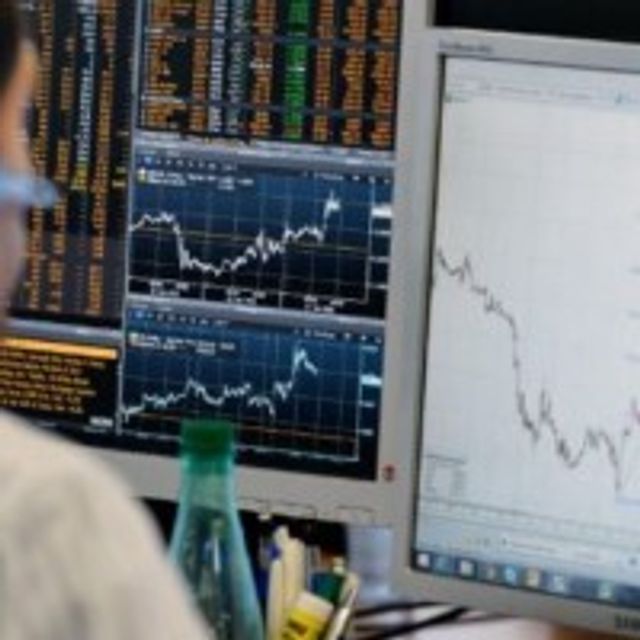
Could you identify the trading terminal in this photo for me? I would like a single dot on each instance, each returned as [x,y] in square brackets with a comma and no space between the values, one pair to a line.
[333,223]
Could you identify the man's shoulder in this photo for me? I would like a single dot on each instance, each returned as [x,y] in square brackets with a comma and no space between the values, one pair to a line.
[69,525]
[32,461]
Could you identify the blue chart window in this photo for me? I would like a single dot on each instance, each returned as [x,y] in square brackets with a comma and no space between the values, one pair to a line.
[285,237]
[303,398]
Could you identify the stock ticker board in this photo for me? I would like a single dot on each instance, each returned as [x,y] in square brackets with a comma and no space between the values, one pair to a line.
[314,71]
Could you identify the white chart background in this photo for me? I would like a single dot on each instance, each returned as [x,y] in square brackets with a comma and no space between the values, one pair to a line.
[540,192]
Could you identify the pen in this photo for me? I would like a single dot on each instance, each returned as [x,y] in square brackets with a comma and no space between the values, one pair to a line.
[340,621]
[351,584]
[299,566]
[265,557]
[293,565]
[275,602]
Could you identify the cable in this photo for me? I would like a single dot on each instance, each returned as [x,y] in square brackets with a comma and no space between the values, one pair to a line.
[393,607]
[471,618]
[452,615]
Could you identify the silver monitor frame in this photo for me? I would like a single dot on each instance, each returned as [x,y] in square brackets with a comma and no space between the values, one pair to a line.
[297,494]
[406,346]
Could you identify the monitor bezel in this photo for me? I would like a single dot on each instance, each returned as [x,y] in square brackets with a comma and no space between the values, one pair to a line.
[296,494]
[408,333]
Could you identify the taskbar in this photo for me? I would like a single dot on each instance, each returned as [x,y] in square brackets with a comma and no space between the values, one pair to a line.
[529,579]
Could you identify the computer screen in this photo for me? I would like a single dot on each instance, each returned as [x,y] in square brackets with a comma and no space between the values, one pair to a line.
[527,476]
[222,247]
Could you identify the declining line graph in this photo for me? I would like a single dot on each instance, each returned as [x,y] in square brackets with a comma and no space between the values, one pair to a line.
[305,398]
[530,455]
[536,417]
[287,238]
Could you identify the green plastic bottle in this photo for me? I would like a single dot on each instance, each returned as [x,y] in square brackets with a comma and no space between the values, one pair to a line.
[208,542]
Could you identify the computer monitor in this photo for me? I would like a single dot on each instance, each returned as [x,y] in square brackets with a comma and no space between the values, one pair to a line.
[222,248]
[515,377]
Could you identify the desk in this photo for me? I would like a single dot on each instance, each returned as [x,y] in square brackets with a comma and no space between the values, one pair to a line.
[495,629]
[507,630]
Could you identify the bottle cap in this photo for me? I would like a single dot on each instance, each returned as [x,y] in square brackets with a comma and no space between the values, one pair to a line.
[208,437]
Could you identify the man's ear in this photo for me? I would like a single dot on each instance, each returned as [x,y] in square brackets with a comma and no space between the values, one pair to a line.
[21,85]
[14,145]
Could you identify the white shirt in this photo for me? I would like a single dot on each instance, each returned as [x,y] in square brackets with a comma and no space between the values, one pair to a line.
[78,559]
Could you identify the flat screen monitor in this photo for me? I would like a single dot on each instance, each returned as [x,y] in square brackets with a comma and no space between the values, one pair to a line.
[222,246]
[521,363]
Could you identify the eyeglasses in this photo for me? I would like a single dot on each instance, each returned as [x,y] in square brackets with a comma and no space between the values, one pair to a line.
[25,190]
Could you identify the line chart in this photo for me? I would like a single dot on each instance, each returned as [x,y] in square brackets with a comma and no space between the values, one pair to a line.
[280,392]
[530,454]
[305,398]
[261,250]
[286,238]
[537,416]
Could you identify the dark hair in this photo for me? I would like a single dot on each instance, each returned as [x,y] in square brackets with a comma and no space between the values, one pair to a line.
[11,34]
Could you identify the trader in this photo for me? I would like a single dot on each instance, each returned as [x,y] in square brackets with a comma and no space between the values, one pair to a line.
[78,560]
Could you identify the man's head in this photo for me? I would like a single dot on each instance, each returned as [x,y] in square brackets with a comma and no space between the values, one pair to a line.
[17,75]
